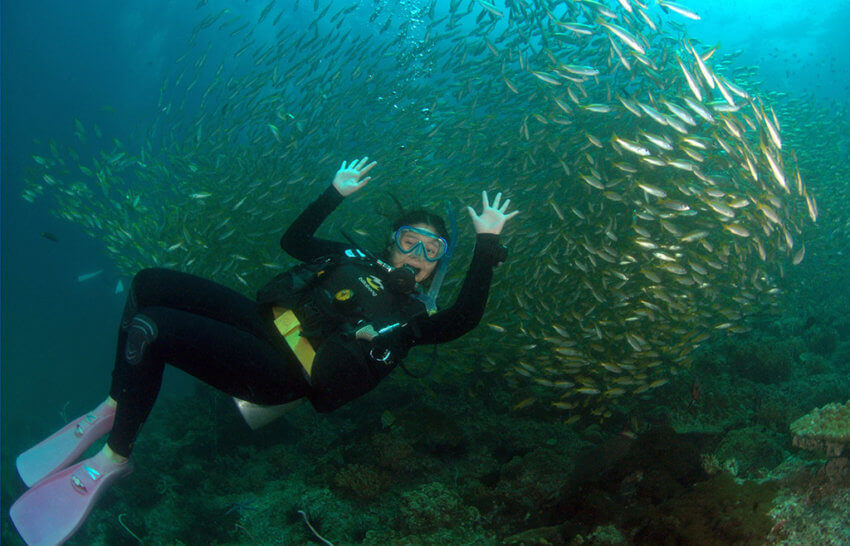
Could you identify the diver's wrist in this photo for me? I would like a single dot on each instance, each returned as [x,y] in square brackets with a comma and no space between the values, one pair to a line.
[487,239]
[487,245]
[333,195]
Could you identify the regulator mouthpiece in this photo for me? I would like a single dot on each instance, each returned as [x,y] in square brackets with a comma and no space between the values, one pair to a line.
[403,279]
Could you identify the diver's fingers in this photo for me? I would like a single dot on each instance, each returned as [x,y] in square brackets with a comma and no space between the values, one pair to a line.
[484,199]
[511,215]
[368,168]
[472,213]
[496,201]
[505,205]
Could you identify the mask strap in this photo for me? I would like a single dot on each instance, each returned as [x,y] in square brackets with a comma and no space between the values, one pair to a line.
[430,298]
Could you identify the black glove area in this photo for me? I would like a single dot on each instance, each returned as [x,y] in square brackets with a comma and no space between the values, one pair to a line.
[389,347]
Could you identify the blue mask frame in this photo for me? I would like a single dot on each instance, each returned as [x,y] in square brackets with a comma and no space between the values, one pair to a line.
[419,248]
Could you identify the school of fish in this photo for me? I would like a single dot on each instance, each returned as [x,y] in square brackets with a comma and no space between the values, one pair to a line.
[661,202]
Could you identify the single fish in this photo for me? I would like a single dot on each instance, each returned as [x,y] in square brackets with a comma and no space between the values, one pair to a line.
[678,8]
[87,276]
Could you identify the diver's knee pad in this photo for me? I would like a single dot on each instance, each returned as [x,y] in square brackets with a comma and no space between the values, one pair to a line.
[144,281]
[141,332]
[130,309]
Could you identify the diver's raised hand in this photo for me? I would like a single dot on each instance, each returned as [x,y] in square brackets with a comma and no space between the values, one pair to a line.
[492,218]
[349,178]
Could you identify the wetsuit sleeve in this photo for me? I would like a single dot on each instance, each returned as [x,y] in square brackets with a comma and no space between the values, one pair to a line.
[468,308]
[298,240]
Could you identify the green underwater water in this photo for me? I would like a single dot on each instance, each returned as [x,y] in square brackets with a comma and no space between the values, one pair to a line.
[594,404]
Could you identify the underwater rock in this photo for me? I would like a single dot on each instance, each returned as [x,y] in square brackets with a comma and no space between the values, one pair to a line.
[441,435]
[432,506]
[363,481]
[530,482]
[822,339]
[766,361]
[655,491]
[393,452]
[753,448]
[663,452]
[827,430]
[716,511]
[537,536]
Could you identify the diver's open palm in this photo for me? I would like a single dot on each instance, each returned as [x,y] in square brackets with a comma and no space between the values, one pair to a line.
[492,218]
[349,178]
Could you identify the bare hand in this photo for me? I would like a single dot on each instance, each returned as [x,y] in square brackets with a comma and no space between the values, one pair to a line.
[492,219]
[349,178]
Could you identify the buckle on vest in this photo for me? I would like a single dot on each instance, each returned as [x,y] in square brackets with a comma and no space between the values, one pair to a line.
[290,328]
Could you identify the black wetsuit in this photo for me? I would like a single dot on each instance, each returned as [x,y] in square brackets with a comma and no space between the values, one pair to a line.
[230,342]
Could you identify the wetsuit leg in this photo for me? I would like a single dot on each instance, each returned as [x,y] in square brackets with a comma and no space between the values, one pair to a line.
[158,287]
[238,352]
[176,290]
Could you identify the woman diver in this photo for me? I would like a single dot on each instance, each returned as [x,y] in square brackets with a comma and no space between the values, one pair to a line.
[328,331]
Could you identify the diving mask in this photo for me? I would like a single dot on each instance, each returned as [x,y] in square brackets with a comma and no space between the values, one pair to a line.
[420,242]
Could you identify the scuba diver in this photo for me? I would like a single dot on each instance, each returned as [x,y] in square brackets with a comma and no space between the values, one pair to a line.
[327,330]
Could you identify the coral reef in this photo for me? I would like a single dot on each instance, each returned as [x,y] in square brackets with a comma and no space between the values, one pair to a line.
[754,450]
[432,506]
[719,508]
[764,360]
[443,460]
[801,519]
[395,453]
[530,481]
[822,339]
[826,429]
[364,482]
